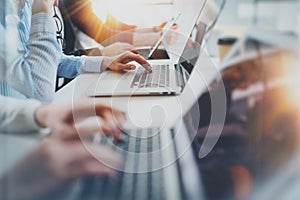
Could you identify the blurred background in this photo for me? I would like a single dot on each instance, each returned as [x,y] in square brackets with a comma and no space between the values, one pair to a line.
[281,15]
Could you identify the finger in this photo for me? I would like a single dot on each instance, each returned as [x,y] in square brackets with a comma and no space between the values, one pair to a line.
[139,59]
[63,131]
[113,120]
[175,26]
[163,24]
[83,132]
[121,67]
[71,132]
[116,117]
[160,27]
[134,51]
[56,3]
[119,119]
[88,108]
[111,125]
[113,131]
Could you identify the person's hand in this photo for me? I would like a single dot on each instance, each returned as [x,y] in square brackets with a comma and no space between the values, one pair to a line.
[120,62]
[62,119]
[117,49]
[160,27]
[54,164]
[43,6]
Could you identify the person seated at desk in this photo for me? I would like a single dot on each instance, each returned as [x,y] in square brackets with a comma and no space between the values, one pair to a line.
[62,156]
[257,139]
[252,153]
[79,13]
[31,68]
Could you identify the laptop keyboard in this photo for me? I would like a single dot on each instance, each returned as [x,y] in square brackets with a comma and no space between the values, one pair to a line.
[147,184]
[159,77]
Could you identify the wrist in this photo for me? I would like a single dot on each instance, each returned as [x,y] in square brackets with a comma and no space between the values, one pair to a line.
[105,63]
[41,7]
[40,10]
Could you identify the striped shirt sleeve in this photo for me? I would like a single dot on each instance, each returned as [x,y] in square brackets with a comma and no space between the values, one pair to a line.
[32,70]
[71,66]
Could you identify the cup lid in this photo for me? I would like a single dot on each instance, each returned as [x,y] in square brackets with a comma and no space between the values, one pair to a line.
[227,40]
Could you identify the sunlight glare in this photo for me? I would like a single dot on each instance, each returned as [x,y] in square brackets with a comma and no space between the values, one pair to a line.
[143,13]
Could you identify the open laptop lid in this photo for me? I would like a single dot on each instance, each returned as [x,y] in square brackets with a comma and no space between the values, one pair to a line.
[192,48]
[168,27]
[190,12]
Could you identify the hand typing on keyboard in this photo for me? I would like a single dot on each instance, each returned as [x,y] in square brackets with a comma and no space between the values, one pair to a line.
[120,62]
[64,125]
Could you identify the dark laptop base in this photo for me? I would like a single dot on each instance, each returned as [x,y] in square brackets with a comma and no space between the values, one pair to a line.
[157,55]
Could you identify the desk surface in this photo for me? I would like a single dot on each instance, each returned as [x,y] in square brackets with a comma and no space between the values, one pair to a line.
[138,109]
[144,111]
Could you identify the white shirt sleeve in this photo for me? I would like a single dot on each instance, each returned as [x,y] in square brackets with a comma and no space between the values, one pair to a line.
[18,115]
[93,64]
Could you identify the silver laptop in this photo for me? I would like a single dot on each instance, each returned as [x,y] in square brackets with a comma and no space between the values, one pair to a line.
[166,78]
[158,164]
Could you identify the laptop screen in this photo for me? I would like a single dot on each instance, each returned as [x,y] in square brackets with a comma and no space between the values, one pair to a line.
[192,49]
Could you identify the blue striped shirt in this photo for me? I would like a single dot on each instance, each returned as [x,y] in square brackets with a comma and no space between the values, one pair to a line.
[31,69]
[30,59]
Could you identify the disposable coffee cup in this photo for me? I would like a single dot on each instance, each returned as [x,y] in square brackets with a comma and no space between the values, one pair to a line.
[225,45]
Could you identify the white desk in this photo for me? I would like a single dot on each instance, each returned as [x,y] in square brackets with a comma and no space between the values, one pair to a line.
[149,110]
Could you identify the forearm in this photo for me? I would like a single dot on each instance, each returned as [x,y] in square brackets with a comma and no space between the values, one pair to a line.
[114,23]
[83,16]
[72,66]
[93,26]
[69,66]
[18,115]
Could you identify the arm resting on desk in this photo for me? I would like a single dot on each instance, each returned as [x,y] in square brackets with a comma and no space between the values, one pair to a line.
[18,115]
